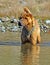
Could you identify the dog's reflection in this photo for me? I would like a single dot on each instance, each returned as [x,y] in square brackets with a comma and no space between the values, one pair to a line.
[30,54]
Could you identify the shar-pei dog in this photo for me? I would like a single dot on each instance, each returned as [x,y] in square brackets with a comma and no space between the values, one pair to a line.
[31,30]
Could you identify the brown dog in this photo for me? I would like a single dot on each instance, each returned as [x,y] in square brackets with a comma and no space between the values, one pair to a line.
[31,29]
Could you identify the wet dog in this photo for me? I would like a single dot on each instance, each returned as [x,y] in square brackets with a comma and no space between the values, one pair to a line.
[31,29]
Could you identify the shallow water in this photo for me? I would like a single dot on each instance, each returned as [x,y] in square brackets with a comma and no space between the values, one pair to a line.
[13,53]
[10,55]
[26,54]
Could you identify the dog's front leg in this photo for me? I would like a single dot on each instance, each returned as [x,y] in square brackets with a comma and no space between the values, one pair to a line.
[33,40]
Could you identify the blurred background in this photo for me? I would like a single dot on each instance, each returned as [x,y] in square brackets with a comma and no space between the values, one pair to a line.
[39,8]
[10,11]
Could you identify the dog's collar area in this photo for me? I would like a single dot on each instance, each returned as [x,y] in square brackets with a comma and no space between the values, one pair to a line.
[30,32]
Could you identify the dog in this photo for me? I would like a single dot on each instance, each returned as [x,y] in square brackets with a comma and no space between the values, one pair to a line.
[31,29]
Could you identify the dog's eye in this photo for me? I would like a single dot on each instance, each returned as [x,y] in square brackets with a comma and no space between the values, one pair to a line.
[25,18]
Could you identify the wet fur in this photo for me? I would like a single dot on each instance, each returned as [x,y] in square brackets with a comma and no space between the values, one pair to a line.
[28,22]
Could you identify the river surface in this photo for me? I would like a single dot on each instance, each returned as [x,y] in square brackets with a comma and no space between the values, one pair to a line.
[13,53]
[24,54]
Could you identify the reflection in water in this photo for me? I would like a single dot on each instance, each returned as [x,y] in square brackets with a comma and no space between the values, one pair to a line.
[30,54]
[26,54]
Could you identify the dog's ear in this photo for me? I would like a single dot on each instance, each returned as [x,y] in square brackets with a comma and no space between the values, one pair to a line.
[27,10]
[33,21]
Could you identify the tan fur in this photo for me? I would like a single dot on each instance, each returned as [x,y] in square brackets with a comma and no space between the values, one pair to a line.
[28,21]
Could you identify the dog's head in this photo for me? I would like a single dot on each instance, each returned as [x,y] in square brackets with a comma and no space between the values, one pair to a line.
[26,18]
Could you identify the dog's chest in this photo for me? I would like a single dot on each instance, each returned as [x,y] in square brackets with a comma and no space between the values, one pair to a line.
[25,32]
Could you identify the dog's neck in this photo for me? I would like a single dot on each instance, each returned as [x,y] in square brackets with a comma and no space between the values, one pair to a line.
[29,27]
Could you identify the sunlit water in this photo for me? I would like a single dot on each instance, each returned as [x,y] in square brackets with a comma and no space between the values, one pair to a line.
[26,54]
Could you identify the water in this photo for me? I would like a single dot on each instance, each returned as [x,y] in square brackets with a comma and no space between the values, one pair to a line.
[13,53]
[26,54]
[10,55]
